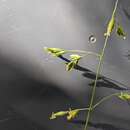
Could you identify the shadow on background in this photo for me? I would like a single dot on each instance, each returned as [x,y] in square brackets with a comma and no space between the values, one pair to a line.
[101,126]
[35,100]
[102,80]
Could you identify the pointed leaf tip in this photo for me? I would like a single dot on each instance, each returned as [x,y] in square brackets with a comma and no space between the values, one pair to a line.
[55,51]
[58,114]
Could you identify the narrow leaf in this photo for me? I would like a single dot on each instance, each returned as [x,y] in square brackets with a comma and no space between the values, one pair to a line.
[70,66]
[110,26]
[120,32]
[58,114]
[55,51]
[124,96]
[74,59]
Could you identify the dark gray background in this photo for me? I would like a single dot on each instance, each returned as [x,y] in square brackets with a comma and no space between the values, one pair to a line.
[33,84]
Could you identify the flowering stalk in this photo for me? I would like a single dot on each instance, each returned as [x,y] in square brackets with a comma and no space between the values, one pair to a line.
[108,33]
[74,58]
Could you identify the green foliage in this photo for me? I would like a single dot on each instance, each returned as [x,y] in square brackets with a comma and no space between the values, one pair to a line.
[55,51]
[74,59]
[124,96]
[70,114]
[110,26]
[120,32]
[70,66]
[58,114]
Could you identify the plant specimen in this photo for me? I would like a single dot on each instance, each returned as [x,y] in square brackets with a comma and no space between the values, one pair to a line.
[77,55]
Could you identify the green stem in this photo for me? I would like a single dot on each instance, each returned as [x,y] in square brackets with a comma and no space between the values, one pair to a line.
[95,83]
[115,8]
[84,52]
[97,74]
[105,98]
[82,109]
[99,102]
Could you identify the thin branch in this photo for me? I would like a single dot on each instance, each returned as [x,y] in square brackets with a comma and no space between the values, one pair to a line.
[84,52]
[98,73]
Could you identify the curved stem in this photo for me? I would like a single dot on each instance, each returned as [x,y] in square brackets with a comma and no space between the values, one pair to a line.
[105,98]
[97,74]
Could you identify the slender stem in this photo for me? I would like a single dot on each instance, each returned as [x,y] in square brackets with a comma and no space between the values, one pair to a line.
[105,98]
[115,8]
[82,109]
[98,103]
[95,83]
[84,52]
[97,74]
